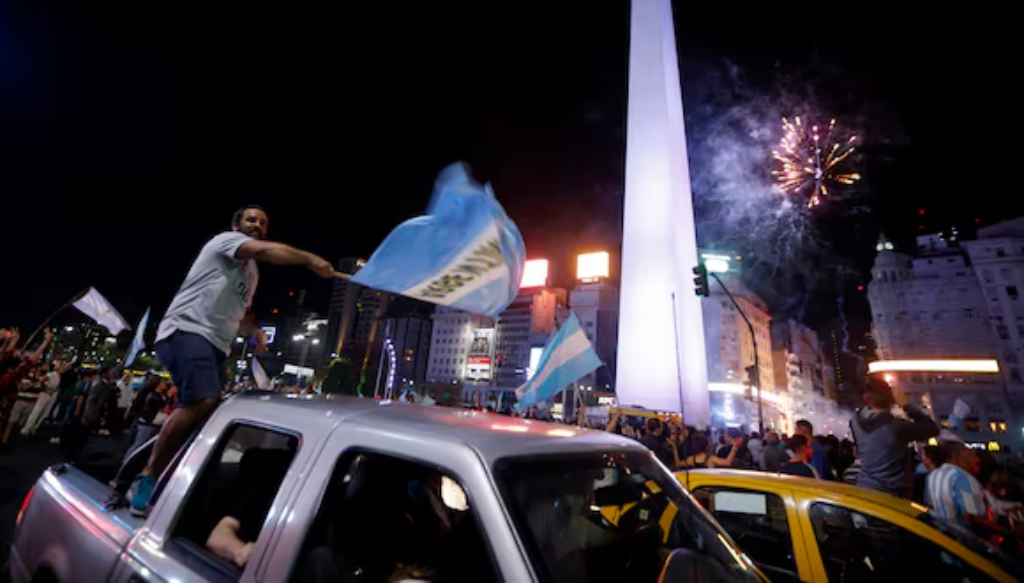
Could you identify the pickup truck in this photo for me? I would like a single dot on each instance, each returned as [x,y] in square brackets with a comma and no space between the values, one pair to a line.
[348,489]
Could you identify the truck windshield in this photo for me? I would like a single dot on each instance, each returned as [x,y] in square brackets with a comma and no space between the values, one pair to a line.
[614,516]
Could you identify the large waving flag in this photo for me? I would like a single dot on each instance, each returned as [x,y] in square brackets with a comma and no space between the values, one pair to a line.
[94,305]
[259,375]
[566,359]
[138,343]
[464,253]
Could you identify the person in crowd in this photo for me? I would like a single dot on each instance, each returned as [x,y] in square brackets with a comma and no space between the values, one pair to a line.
[819,458]
[800,464]
[756,447]
[146,414]
[50,385]
[19,382]
[100,398]
[775,453]
[882,439]
[65,397]
[655,440]
[702,459]
[952,491]
[931,458]
[733,440]
[206,315]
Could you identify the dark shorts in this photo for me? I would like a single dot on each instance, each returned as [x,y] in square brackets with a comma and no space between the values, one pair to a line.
[196,366]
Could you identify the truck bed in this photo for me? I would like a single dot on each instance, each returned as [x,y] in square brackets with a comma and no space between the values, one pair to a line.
[67,512]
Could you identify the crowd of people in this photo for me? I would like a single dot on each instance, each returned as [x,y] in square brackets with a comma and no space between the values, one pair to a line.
[39,390]
[887,453]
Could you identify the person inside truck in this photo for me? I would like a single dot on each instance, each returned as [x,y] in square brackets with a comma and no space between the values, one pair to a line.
[261,472]
[206,315]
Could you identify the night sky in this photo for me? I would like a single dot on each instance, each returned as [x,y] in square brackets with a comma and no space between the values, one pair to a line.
[131,134]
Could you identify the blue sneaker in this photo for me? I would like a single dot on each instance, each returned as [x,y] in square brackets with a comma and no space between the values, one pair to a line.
[140,493]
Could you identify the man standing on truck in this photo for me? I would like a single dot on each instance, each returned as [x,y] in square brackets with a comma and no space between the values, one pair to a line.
[210,309]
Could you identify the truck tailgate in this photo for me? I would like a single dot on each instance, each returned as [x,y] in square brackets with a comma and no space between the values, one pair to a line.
[67,529]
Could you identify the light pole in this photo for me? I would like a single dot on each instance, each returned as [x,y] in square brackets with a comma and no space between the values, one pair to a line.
[755,377]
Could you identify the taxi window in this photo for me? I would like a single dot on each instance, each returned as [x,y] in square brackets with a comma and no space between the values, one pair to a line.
[858,547]
[757,522]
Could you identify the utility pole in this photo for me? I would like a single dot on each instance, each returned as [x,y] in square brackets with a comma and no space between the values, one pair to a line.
[755,379]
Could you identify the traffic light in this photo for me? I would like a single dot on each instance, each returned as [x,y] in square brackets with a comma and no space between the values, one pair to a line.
[751,381]
[700,283]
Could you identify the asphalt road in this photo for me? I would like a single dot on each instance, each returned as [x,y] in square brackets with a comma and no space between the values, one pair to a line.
[24,459]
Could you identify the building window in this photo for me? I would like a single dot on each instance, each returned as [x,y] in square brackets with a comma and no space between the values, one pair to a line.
[972,424]
[997,426]
[1000,252]
[1003,332]
[1011,290]
[968,312]
[987,276]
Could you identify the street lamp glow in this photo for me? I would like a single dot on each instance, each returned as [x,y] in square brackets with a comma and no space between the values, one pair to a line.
[298,337]
[716,265]
[987,365]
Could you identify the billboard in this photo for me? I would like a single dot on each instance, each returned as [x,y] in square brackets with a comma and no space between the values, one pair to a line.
[535,353]
[479,356]
[592,266]
[535,273]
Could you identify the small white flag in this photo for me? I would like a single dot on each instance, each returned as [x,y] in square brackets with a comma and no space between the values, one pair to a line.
[94,305]
[259,375]
[139,342]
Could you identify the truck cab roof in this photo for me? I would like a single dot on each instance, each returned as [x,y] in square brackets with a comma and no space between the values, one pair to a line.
[491,435]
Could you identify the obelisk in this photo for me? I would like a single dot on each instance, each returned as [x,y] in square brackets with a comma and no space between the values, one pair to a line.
[661,361]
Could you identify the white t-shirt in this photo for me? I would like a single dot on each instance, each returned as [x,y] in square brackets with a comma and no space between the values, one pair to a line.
[215,295]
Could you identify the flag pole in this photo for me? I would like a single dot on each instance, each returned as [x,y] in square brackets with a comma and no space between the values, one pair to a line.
[67,304]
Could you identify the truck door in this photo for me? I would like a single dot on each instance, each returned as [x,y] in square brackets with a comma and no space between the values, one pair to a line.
[246,475]
[386,505]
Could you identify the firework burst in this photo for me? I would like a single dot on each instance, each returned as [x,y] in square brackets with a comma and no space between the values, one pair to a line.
[811,160]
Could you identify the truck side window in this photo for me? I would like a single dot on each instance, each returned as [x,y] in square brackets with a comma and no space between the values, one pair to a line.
[240,480]
[388,519]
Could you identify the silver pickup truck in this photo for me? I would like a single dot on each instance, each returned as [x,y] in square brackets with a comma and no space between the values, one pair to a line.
[322,489]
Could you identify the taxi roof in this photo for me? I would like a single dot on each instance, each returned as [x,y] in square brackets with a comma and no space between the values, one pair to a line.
[492,435]
[807,487]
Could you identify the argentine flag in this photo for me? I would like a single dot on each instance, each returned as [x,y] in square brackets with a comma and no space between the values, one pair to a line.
[464,253]
[138,343]
[566,359]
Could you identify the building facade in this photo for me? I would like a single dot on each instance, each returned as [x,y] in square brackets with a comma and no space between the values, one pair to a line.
[597,306]
[456,345]
[931,306]
[730,350]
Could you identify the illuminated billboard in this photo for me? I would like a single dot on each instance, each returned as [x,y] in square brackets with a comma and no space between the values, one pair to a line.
[479,357]
[270,332]
[592,266]
[535,273]
[535,353]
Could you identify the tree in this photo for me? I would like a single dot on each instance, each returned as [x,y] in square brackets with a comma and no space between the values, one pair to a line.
[341,378]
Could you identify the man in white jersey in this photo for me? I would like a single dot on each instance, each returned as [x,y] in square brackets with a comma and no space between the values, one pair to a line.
[209,311]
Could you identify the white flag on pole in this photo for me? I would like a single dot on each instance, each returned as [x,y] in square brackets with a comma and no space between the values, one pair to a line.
[259,376]
[94,305]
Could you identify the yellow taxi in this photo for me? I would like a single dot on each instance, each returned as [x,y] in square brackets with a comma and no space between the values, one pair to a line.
[803,530]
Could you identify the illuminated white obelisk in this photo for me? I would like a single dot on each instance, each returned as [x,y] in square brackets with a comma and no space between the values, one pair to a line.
[659,243]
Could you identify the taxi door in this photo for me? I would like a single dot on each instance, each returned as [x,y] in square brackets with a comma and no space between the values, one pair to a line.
[848,538]
[766,525]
